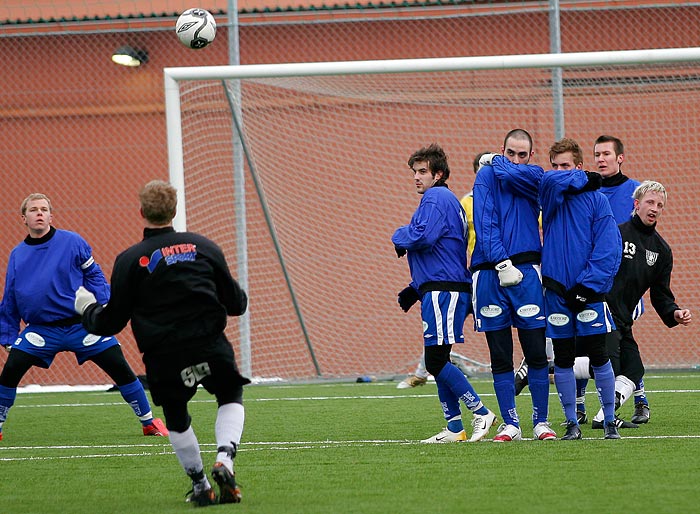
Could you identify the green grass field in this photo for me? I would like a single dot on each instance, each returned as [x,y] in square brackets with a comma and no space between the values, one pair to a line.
[346,447]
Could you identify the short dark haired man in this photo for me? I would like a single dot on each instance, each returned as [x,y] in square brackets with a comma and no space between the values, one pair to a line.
[177,290]
[435,242]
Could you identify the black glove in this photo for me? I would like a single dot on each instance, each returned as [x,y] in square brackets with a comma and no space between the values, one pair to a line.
[400,252]
[578,296]
[595,180]
[407,297]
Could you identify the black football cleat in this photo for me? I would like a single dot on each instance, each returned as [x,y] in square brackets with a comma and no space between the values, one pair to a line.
[573,431]
[641,413]
[618,422]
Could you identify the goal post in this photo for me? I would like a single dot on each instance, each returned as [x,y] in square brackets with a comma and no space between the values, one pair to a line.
[325,146]
[315,69]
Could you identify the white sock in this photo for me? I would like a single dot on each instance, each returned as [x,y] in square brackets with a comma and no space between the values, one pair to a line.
[581,367]
[599,416]
[229,429]
[186,449]
[624,387]
[147,417]
[421,372]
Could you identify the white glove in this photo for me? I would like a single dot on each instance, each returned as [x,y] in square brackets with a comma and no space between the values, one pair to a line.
[486,159]
[508,275]
[83,300]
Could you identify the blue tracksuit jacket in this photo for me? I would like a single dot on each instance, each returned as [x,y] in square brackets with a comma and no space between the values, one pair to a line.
[436,239]
[506,212]
[42,276]
[618,189]
[582,244]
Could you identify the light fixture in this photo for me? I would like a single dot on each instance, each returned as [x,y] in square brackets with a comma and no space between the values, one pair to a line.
[128,56]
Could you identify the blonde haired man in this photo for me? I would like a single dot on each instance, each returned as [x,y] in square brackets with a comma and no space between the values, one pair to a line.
[647,262]
[42,273]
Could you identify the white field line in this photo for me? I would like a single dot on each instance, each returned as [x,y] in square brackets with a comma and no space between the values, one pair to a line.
[160,450]
[323,398]
[36,388]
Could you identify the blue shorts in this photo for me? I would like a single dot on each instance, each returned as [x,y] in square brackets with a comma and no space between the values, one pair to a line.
[444,313]
[561,322]
[520,306]
[45,342]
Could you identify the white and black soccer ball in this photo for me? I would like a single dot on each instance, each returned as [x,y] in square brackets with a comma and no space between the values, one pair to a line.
[196,28]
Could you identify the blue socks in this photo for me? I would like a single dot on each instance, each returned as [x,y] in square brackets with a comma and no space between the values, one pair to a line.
[458,386]
[605,385]
[538,382]
[504,386]
[7,400]
[135,396]
[581,384]
[455,425]
[639,395]
[449,402]
[566,388]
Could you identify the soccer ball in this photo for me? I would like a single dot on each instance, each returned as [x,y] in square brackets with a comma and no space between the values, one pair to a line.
[196,28]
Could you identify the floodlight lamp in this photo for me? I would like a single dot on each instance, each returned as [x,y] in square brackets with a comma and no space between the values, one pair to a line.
[128,56]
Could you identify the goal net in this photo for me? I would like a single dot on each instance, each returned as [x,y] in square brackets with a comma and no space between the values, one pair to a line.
[305,203]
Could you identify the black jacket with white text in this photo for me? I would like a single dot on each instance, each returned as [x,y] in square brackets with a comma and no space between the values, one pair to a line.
[176,289]
[646,264]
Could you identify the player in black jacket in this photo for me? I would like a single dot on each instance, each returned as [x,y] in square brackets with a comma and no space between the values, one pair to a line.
[646,265]
[177,290]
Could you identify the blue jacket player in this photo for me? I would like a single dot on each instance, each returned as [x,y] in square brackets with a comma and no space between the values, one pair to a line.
[435,242]
[507,281]
[618,188]
[609,154]
[43,273]
[580,256]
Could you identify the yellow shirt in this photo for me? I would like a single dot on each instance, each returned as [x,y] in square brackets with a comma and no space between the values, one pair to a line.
[467,202]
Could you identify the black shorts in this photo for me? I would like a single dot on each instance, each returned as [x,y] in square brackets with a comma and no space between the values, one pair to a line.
[174,377]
